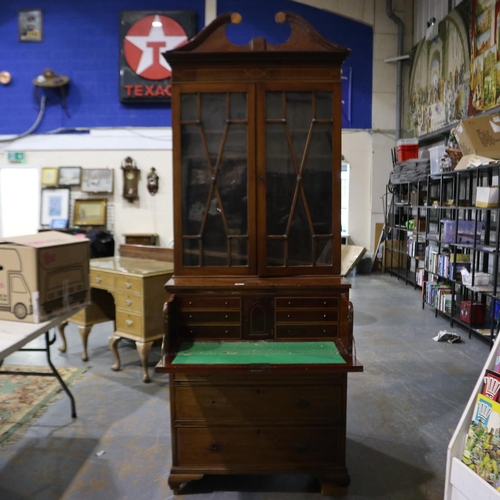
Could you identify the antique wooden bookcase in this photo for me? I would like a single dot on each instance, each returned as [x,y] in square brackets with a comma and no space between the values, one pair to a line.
[258,338]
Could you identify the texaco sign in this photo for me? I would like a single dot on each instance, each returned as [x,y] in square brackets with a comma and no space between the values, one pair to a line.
[144,36]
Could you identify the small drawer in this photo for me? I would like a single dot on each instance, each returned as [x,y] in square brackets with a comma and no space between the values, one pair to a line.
[306,315]
[293,403]
[215,332]
[99,279]
[194,302]
[306,331]
[226,447]
[130,323]
[129,302]
[307,303]
[191,317]
[128,284]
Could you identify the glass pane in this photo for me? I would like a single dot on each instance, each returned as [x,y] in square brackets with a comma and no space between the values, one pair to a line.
[317,178]
[323,251]
[238,106]
[213,121]
[239,251]
[191,252]
[274,106]
[189,107]
[299,114]
[232,180]
[275,253]
[299,238]
[214,237]
[280,180]
[324,106]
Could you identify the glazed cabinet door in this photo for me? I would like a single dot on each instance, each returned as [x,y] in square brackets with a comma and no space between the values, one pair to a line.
[298,156]
[214,176]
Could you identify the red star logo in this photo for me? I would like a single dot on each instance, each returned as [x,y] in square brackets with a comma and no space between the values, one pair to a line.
[146,40]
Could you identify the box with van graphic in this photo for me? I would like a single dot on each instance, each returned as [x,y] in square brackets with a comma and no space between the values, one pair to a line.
[43,275]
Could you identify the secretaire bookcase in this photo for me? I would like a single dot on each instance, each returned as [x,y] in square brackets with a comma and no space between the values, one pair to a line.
[258,327]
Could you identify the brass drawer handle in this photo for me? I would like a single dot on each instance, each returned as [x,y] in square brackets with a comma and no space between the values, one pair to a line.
[128,285]
[129,322]
[213,447]
[128,302]
[98,279]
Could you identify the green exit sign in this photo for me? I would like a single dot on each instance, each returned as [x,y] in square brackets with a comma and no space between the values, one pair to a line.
[16,157]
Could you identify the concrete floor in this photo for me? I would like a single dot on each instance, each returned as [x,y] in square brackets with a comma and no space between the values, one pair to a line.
[402,412]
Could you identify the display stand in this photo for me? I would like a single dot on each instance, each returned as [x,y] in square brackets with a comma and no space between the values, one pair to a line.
[461,482]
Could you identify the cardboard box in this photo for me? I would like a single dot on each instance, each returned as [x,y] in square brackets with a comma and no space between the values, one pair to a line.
[480,136]
[487,197]
[43,275]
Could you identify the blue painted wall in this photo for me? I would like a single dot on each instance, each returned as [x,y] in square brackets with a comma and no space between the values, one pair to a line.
[81,40]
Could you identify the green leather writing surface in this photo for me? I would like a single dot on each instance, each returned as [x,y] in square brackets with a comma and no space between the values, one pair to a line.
[222,353]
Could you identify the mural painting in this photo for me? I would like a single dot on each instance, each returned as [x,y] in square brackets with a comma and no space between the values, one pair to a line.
[439,92]
[485,55]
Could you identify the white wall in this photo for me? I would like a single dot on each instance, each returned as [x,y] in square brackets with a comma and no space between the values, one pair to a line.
[108,148]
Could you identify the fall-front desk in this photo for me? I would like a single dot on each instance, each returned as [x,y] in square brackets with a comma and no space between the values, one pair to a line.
[131,292]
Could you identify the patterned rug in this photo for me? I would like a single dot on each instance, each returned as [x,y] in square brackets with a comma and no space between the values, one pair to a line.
[23,397]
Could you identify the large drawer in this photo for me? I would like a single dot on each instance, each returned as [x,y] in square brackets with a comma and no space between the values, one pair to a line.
[259,447]
[128,302]
[101,279]
[260,402]
[131,323]
[128,284]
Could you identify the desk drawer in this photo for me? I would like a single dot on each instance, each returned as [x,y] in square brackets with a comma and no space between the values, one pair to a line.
[129,302]
[128,284]
[304,315]
[100,279]
[306,331]
[195,302]
[259,446]
[301,404]
[307,303]
[192,317]
[131,323]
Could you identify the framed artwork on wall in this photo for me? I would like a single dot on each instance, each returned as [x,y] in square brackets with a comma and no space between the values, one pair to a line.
[49,176]
[30,25]
[90,213]
[97,180]
[69,176]
[54,205]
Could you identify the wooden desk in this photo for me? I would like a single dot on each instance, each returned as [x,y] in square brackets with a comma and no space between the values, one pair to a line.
[14,335]
[131,292]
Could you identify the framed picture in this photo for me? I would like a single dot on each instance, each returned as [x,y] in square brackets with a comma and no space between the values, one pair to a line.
[69,176]
[90,213]
[97,180]
[30,25]
[55,205]
[49,176]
